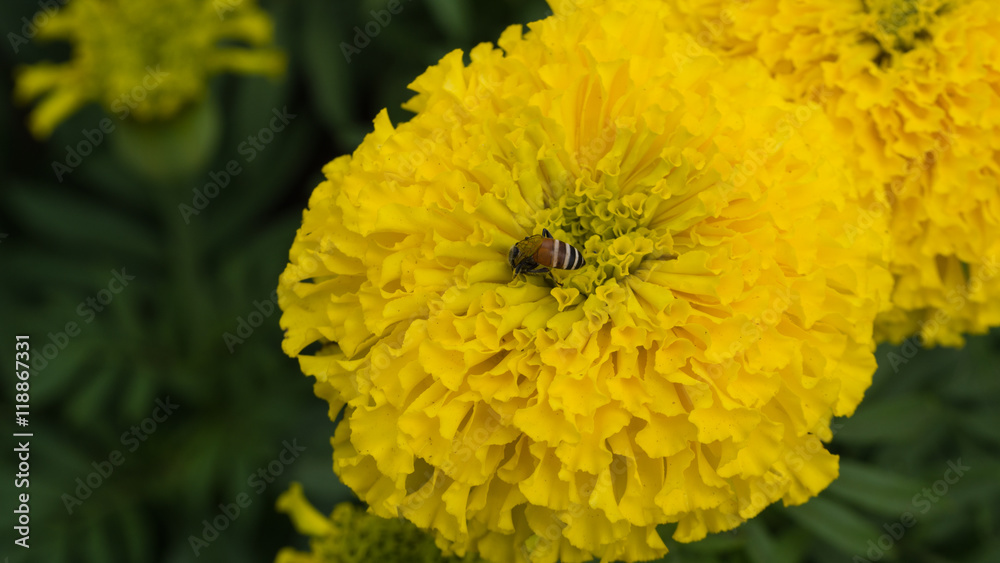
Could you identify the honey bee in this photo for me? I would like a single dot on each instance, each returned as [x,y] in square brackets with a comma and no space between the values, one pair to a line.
[538,253]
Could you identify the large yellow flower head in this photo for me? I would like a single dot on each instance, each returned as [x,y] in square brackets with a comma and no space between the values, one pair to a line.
[144,59]
[915,87]
[686,374]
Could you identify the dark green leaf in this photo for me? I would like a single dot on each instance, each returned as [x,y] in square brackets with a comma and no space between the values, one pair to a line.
[73,221]
[880,491]
[989,553]
[133,531]
[981,423]
[760,546]
[139,391]
[49,384]
[106,175]
[98,546]
[88,402]
[836,524]
[723,542]
[253,106]
[792,544]
[892,420]
[977,373]
[260,183]
[44,269]
[453,16]
[905,368]
[326,67]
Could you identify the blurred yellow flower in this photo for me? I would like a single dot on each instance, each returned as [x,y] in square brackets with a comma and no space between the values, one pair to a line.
[351,535]
[915,88]
[686,374]
[144,59]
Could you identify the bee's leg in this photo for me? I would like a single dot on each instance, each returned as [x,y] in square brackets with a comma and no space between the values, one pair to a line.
[537,271]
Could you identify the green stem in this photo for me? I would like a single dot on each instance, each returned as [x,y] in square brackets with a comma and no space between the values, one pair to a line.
[188,297]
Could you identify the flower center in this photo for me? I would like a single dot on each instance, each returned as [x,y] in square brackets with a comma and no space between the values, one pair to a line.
[898,26]
[614,233]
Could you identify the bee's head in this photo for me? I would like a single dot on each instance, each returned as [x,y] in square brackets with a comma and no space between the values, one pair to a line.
[513,254]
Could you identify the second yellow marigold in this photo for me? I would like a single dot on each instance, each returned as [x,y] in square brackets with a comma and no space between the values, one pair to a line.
[914,88]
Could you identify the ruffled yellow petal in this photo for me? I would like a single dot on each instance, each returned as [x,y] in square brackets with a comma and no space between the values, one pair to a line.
[289,555]
[57,103]
[307,520]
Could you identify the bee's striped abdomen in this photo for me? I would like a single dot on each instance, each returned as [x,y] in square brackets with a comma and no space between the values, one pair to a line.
[558,254]
[537,254]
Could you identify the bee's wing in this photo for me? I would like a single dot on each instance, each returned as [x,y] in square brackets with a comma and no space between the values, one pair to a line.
[527,247]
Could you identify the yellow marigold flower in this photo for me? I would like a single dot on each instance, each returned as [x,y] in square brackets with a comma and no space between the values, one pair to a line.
[686,374]
[350,535]
[143,58]
[915,88]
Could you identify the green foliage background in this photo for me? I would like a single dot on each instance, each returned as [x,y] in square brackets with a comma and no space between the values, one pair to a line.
[162,336]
